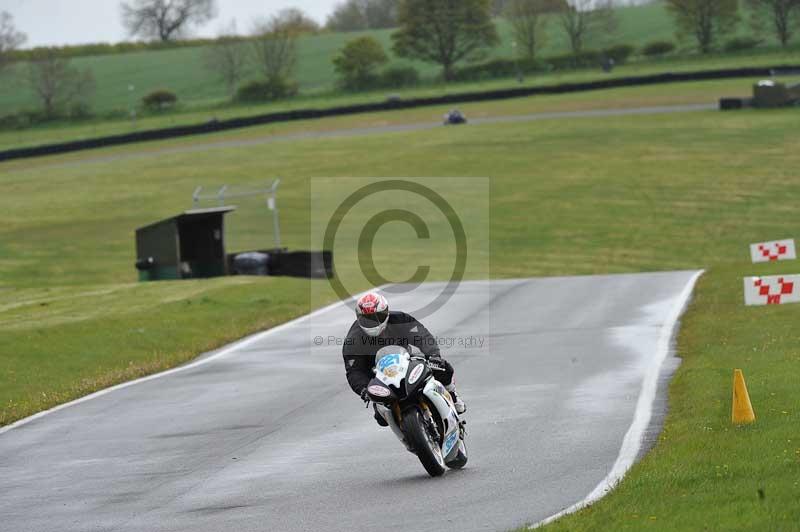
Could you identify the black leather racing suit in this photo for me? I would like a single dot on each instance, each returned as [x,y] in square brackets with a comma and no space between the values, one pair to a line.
[359,349]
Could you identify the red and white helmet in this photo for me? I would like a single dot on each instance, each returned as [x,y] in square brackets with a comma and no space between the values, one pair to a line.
[372,311]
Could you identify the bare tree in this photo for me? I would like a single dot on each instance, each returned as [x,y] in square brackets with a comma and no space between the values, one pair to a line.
[10,39]
[381,13]
[585,20]
[705,20]
[784,14]
[354,15]
[227,58]
[298,21]
[275,47]
[56,83]
[165,19]
[499,7]
[347,16]
[527,19]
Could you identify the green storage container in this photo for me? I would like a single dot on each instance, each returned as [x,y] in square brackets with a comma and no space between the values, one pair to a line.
[190,245]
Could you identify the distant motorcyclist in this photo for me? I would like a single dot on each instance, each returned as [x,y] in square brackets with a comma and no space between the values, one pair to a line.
[377,327]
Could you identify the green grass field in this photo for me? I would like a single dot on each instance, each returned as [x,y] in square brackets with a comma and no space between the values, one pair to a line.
[627,194]
[704,473]
[204,98]
[679,93]
[182,70]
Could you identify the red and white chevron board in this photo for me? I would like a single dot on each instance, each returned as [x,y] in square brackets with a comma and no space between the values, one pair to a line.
[772,251]
[775,290]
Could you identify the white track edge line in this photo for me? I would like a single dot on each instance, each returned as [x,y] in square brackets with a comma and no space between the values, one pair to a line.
[632,443]
[225,351]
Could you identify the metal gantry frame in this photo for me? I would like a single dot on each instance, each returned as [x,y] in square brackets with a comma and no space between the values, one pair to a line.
[223,194]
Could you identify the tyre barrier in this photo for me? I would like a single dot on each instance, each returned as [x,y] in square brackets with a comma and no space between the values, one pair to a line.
[283,263]
[732,104]
[393,104]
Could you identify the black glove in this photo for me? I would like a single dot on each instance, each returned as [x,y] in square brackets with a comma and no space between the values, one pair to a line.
[365,395]
[435,362]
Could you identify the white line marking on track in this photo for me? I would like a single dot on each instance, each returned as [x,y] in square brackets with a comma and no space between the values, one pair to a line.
[632,443]
[225,351]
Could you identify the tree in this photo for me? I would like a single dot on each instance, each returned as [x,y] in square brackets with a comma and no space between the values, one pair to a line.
[784,14]
[347,16]
[275,48]
[358,61]
[56,83]
[381,14]
[297,21]
[499,7]
[444,31]
[585,20]
[10,39]
[705,20]
[165,19]
[227,58]
[528,22]
[355,15]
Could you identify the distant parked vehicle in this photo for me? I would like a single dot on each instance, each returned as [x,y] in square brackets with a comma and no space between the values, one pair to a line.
[454,118]
[769,93]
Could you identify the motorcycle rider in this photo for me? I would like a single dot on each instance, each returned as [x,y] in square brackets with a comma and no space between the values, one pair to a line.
[377,327]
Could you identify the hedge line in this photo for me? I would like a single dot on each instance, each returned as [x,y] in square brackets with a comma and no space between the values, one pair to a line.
[505,67]
[394,104]
[81,50]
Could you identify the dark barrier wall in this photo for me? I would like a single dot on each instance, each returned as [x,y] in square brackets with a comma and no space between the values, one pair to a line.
[282,262]
[308,264]
[306,114]
[732,104]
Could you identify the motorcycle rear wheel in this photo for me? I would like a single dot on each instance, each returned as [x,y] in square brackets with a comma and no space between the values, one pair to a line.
[427,450]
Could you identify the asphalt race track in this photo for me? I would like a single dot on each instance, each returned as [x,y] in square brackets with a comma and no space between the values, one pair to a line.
[266,435]
[202,144]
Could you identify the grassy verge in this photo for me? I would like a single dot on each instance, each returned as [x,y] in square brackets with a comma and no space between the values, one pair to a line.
[183,71]
[679,191]
[630,203]
[704,473]
[202,112]
[63,343]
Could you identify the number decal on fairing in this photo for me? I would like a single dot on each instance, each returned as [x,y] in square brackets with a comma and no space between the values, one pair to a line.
[450,442]
[415,373]
[388,360]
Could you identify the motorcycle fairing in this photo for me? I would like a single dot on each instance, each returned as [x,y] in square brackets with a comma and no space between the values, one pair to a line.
[391,369]
[441,400]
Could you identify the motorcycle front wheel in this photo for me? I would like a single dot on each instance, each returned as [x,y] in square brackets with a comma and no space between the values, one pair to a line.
[425,446]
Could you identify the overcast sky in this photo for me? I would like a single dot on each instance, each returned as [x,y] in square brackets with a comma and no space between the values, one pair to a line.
[55,22]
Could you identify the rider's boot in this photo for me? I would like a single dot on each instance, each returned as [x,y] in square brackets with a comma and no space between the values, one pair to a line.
[379,418]
[457,402]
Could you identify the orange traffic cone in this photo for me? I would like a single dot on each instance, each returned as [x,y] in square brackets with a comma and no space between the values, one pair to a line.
[742,411]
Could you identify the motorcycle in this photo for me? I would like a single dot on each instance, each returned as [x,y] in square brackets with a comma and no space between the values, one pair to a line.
[418,409]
